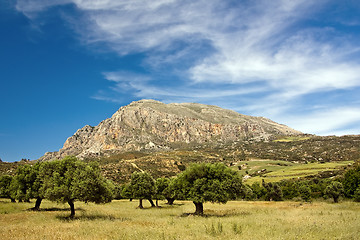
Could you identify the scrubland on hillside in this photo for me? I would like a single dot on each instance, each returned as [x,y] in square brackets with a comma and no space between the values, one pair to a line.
[121,219]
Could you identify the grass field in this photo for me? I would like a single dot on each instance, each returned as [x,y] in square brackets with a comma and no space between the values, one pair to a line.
[279,170]
[292,139]
[234,220]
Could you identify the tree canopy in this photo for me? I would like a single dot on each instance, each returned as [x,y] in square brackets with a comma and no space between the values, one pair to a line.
[69,179]
[335,190]
[5,191]
[351,181]
[215,183]
[27,183]
[141,186]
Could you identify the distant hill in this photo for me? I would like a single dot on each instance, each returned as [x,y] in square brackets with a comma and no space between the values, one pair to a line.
[150,125]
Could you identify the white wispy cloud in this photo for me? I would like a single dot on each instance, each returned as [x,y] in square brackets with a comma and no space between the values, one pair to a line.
[333,121]
[254,56]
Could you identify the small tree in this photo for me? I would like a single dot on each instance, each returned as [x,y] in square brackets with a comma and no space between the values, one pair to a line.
[69,179]
[258,190]
[273,191]
[5,183]
[27,184]
[351,181]
[142,186]
[208,182]
[357,195]
[117,194]
[290,189]
[247,193]
[305,193]
[126,192]
[169,192]
[161,185]
[334,190]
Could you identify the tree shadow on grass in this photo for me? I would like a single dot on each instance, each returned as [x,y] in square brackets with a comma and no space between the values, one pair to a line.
[166,206]
[174,205]
[54,209]
[217,214]
[91,217]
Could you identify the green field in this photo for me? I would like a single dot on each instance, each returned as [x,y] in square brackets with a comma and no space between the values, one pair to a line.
[292,138]
[279,170]
[234,220]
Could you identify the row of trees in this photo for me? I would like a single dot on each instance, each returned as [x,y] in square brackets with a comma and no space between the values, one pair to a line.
[200,183]
[71,180]
[65,180]
[347,185]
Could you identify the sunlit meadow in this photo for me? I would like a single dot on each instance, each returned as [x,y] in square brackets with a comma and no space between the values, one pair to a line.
[234,220]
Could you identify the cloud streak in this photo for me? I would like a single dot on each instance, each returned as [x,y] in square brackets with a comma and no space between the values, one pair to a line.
[261,57]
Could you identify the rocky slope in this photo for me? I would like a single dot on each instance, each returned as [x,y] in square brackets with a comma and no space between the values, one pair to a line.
[153,125]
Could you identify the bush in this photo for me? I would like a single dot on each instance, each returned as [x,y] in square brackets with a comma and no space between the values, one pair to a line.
[335,190]
[357,195]
[305,193]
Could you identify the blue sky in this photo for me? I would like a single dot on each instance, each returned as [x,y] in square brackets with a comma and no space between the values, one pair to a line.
[68,63]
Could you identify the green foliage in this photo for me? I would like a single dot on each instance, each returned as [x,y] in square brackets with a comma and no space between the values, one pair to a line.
[27,183]
[351,181]
[273,191]
[334,190]
[5,182]
[69,179]
[357,195]
[59,179]
[248,193]
[126,191]
[258,190]
[208,182]
[305,192]
[161,185]
[142,185]
[117,191]
[89,186]
[290,189]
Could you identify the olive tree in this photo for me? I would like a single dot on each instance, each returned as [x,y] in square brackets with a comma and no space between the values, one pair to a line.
[305,193]
[273,191]
[203,182]
[142,186]
[161,186]
[5,191]
[334,190]
[69,179]
[351,181]
[27,183]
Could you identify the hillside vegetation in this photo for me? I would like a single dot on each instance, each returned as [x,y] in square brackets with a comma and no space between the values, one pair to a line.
[302,156]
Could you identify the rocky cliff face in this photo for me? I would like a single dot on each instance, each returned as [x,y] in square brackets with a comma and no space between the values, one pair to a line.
[152,125]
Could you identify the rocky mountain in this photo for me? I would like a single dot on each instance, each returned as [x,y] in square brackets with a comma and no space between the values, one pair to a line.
[152,125]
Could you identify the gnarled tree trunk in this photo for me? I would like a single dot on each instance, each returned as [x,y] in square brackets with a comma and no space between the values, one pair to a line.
[72,208]
[140,204]
[151,202]
[170,201]
[37,204]
[199,208]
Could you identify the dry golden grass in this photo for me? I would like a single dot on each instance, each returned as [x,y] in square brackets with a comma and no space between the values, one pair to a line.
[234,220]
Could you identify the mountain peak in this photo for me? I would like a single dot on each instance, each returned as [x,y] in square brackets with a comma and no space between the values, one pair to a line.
[152,125]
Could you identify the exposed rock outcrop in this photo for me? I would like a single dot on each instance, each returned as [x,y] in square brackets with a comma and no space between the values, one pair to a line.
[153,125]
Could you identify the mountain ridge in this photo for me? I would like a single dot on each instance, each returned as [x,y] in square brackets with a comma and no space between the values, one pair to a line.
[152,126]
